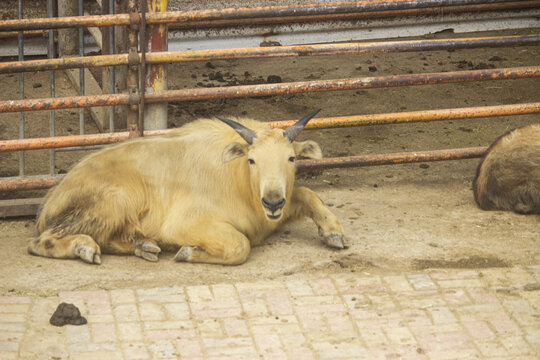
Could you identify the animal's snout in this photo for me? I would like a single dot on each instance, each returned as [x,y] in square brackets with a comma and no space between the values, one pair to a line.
[273,205]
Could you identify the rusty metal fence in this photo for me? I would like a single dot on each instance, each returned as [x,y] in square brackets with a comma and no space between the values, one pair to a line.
[139,22]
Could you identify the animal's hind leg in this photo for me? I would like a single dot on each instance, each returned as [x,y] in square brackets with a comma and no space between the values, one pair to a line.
[68,247]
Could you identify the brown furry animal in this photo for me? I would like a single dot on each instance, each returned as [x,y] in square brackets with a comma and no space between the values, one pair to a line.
[508,177]
[211,189]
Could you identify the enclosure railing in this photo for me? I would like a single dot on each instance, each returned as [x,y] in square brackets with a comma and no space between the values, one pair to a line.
[277,14]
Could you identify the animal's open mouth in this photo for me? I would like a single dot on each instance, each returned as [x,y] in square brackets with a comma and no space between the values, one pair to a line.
[273,217]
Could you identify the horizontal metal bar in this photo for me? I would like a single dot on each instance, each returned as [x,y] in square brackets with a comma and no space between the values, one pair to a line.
[432,11]
[265,52]
[392,159]
[19,207]
[303,165]
[271,89]
[235,13]
[59,142]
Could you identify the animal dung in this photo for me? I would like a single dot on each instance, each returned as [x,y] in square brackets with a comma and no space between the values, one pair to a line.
[67,314]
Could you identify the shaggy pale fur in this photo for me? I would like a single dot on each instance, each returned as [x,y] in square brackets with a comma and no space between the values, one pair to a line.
[508,177]
[197,189]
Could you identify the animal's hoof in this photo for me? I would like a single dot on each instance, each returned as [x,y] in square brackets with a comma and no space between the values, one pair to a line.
[147,250]
[183,254]
[89,254]
[336,241]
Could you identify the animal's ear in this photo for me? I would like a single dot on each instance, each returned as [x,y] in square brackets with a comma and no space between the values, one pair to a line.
[233,151]
[308,149]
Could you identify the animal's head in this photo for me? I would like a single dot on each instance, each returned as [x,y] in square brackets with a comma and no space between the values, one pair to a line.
[271,155]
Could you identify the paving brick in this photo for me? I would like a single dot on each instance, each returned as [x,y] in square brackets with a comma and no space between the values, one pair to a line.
[336,350]
[162,295]
[122,296]
[126,312]
[397,283]
[103,332]
[14,308]
[135,351]
[12,318]
[491,348]
[235,327]
[505,326]
[323,286]
[129,331]
[374,337]
[442,315]
[437,341]
[224,292]
[455,275]
[151,312]
[177,311]
[8,355]
[209,328]
[189,348]
[77,334]
[478,329]
[516,345]
[400,336]
[109,355]
[420,299]
[460,283]
[216,309]
[15,300]
[354,284]
[229,346]
[482,295]
[12,327]
[421,282]
[91,347]
[456,297]
[278,303]
[8,346]
[299,288]
[162,349]
[254,307]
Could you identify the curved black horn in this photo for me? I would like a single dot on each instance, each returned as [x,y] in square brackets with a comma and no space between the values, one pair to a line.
[244,132]
[294,130]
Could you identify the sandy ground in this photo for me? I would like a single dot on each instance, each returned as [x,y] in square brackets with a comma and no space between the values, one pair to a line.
[397,218]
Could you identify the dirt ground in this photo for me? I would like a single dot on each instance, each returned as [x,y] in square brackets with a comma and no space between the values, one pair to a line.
[397,218]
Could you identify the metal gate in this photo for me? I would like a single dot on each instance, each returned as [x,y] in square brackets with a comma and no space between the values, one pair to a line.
[146,53]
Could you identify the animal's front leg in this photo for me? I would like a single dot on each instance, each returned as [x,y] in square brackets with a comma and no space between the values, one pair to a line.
[306,203]
[211,241]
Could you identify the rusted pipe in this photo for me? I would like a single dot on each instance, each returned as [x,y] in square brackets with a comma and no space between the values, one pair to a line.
[272,89]
[239,13]
[392,159]
[434,11]
[277,51]
[317,123]
[303,165]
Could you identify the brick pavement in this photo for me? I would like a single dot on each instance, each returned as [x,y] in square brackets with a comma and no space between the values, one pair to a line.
[442,314]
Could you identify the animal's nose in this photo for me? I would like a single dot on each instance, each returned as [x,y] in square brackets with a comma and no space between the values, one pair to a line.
[273,205]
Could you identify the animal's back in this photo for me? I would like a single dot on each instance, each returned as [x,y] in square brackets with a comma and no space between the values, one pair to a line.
[156,169]
[508,178]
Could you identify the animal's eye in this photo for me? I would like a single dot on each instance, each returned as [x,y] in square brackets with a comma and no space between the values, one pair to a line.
[292,159]
[251,161]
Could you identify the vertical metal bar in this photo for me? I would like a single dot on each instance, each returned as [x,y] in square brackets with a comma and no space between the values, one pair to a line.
[20,43]
[81,71]
[50,13]
[155,115]
[111,68]
[142,67]
[133,69]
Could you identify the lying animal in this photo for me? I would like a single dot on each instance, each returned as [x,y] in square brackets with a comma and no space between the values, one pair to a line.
[508,177]
[211,189]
